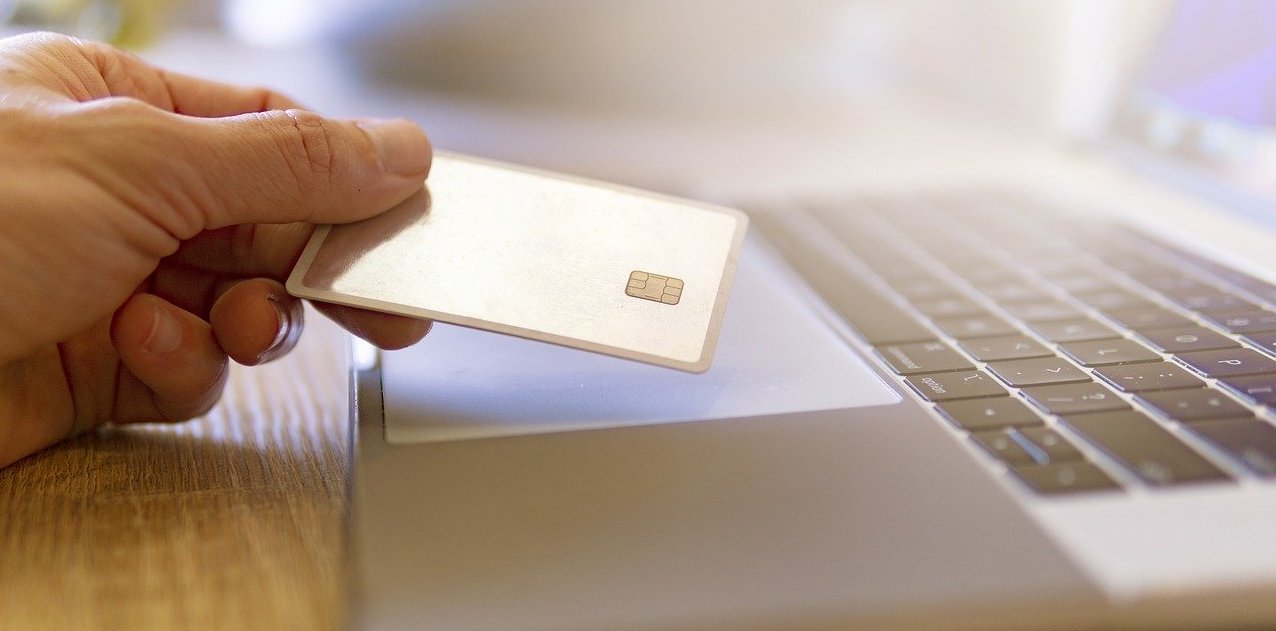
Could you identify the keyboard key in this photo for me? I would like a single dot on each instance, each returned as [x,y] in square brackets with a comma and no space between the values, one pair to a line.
[1188,339]
[1060,269]
[1244,321]
[1264,341]
[1108,352]
[878,320]
[1023,244]
[989,276]
[924,288]
[1077,284]
[1114,299]
[1015,292]
[1075,398]
[1148,319]
[912,359]
[1149,376]
[1229,362]
[948,386]
[1249,441]
[949,307]
[978,326]
[903,270]
[987,414]
[1065,478]
[1035,372]
[874,316]
[1078,330]
[1029,445]
[988,349]
[1005,448]
[1260,289]
[1260,389]
[1236,304]
[1174,282]
[1043,311]
[1208,300]
[1050,443]
[1194,405]
[1145,448]
[1120,256]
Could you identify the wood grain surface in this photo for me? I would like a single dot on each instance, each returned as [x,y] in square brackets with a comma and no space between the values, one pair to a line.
[233,521]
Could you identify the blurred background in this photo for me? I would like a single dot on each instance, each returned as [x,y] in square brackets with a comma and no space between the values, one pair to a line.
[667,93]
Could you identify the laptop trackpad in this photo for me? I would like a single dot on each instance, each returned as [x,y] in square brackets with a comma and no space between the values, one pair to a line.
[775,356]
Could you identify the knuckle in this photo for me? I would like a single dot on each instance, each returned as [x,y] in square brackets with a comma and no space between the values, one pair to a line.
[127,150]
[124,109]
[46,40]
[312,145]
[95,133]
[113,119]
[125,133]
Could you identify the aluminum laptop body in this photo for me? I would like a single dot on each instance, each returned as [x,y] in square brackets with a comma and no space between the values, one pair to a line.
[812,479]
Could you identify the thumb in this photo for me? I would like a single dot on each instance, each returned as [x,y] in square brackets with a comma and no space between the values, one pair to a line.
[284,166]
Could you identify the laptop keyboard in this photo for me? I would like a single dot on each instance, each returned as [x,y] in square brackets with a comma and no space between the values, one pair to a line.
[1080,354]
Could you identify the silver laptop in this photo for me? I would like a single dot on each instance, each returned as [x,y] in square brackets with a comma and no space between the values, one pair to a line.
[971,384]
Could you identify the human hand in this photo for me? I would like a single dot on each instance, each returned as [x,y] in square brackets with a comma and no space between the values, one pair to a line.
[148,219]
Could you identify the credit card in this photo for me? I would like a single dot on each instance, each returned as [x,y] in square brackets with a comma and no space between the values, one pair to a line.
[539,255]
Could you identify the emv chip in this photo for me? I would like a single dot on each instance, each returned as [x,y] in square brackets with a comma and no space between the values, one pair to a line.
[655,287]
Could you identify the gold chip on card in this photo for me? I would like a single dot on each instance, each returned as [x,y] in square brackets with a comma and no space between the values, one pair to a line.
[654,287]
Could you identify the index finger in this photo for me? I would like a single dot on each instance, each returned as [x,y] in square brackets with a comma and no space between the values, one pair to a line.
[126,74]
[205,98]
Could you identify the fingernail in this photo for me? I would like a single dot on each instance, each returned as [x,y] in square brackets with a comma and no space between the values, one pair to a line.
[403,147]
[166,332]
[282,334]
[285,336]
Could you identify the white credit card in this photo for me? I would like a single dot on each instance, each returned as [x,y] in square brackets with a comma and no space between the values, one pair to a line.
[539,255]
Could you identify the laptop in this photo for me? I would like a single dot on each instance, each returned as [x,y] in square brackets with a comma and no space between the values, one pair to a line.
[971,383]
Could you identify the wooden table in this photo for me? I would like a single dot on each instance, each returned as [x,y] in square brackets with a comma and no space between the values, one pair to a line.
[233,521]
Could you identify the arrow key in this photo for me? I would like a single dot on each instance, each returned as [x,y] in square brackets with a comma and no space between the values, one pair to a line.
[1035,372]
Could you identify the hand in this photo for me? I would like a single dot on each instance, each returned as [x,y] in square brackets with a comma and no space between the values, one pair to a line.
[148,219]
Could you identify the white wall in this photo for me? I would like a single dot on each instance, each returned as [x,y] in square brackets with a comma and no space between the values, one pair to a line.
[1048,64]
[1002,58]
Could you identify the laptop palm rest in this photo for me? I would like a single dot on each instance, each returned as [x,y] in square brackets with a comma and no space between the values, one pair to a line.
[775,356]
